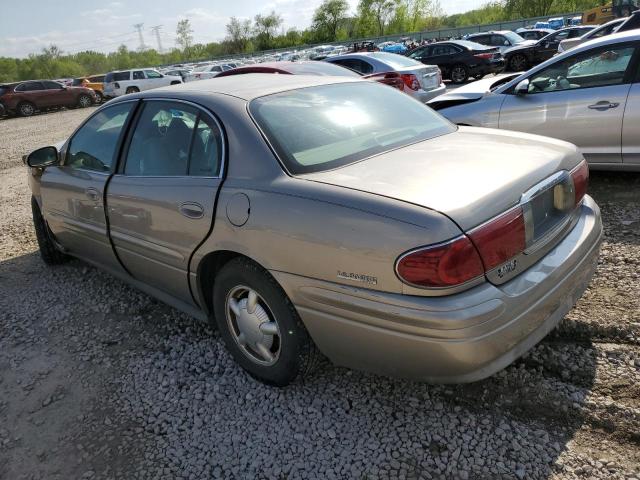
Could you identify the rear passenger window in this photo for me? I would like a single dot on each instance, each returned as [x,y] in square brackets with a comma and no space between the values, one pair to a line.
[93,146]
[172,139]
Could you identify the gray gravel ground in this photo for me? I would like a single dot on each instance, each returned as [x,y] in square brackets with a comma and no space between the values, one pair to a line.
[98,380]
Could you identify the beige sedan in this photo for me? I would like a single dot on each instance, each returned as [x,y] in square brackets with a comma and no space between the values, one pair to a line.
[303,213]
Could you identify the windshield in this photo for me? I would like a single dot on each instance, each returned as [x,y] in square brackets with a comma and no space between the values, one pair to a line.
[320,128]
[513,37]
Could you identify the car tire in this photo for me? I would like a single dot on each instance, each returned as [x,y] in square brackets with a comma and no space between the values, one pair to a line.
[518,63]
[459,74]
[85,101]
[26,109]
[48,249]
[99,96]
[271,342]
[479,76]
[132,90]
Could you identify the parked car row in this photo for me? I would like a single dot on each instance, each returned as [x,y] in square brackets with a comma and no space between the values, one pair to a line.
[589,96]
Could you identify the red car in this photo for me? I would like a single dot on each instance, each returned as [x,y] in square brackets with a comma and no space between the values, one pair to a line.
[315,68]
[26,98]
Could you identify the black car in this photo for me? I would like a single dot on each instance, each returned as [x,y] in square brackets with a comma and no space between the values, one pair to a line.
[523,57]
[459,59]
[534,33]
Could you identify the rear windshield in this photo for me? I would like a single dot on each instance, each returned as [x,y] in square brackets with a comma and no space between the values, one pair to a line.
[319,68]
[117,76]
[324,127]
[395,60]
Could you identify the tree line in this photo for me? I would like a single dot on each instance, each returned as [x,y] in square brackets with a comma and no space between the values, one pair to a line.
[332,21]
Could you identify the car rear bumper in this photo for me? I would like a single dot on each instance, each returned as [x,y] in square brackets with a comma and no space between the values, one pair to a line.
[459,338]
[425,95]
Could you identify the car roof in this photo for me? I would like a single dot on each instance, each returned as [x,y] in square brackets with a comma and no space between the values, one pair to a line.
[252,85]
[631,35]
[466,43]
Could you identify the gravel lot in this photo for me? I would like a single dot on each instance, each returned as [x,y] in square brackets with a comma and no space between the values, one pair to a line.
[100,381]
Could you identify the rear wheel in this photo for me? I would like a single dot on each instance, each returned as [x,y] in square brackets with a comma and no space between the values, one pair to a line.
[26,109]
[259,325]
[518,63]
[132,90]
[84,101]
[459,74]
[48,250]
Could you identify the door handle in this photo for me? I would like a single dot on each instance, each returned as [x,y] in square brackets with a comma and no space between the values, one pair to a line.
[191,210]
[92,194]
[603,105]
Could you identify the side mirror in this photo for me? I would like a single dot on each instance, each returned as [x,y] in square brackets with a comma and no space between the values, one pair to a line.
[522,88]
[43,157]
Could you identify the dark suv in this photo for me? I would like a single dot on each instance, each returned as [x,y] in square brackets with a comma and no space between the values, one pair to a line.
[26,98]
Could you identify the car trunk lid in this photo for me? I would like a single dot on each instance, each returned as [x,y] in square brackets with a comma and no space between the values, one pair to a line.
[495,173]
[428,75]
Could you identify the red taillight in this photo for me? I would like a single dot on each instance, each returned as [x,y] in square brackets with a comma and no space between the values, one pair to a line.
[484,56]
[501,239]
[580,176]
[443,265]
[411,81]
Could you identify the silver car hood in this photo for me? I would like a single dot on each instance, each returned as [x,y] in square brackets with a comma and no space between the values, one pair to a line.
[471,175]
[474,90]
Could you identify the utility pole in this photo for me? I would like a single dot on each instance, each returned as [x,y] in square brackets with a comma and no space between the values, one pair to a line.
[138,27]
[156,30]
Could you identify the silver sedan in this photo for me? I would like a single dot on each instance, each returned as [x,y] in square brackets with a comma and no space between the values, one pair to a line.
[423,82]
[589,96]
[301,213]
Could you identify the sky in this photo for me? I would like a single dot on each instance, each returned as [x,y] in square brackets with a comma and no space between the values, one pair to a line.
[104,25]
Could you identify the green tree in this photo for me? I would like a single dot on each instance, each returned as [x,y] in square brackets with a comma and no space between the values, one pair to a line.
[529,8]
[265,28]
[184,35]
[328,17]
[238,34]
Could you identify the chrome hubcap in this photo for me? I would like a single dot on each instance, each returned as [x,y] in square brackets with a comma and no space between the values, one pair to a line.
[84,101]
[253,325]
[518,62]
[27,109]
[458,75]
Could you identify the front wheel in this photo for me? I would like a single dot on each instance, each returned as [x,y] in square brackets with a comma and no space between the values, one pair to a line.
[459,74]
[99,96]
[132,90]
[48,250]
[259,324]
[518,63]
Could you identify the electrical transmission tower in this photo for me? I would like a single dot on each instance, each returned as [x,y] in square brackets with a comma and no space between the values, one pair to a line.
[156,30]
[138,27]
